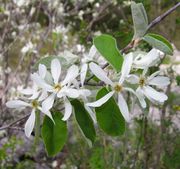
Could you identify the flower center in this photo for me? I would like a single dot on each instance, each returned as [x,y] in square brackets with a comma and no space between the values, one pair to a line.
[118,88]
[142,81]
[34,103]
[57,87]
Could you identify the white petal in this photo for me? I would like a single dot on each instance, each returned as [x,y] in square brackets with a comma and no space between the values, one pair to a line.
[154,75]
[101,101]
[48,113]
[126,67]
[147,60]
[123,107]
[133,79]
[35,95]
[91,113]
[72,93]
[42,70]
[27,91]
[43,95]
[159,81]
[30,124]
[17,104]
[99,73]
[155,95]
[84,92]
[40,82]
[92,52]
[55,70]
[141,98]
[83,73]
[72,73]
[68,110]
[47,104]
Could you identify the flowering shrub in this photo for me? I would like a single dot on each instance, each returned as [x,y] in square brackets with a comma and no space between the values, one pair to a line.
[60,89]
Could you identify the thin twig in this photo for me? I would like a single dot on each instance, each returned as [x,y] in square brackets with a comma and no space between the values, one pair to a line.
[13,123]
[161,17]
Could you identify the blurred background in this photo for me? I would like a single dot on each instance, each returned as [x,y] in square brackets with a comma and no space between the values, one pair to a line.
[31,29]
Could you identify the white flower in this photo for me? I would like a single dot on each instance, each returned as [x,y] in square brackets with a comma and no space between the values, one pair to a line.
[145,89]
[34,104]
[85,60]
[142,60]
[116,87]
[35,91]
[60,89]
[29,47]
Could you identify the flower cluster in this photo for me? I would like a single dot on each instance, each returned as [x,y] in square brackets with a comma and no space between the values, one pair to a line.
[51,87]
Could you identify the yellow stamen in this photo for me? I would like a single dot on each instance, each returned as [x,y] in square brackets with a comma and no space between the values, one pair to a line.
[57,87]
[118,88]
[142,81]
[34,103]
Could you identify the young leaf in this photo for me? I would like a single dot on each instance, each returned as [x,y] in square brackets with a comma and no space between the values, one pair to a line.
[107,47]
[54,135]
[159,42]
[109,116]
[140,20]
[84,120]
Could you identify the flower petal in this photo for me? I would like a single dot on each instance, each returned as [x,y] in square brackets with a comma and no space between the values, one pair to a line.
[126,67]
[83,73]
[91,113]
[101,101]
[72,93]
[150,59]
[17,104]
[141,98]
[30,124]
[123,107]
[133,79]
[48,113]
[43,95]
[47,104]
[55,70]
[41,83]
[100,73]
[35,95]
[92,52]
[72,73]
[42,70]
[68,110]
[159,81]
[153,94]
[27,91]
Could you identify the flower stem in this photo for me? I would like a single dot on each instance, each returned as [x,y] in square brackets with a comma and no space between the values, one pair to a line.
[37,129]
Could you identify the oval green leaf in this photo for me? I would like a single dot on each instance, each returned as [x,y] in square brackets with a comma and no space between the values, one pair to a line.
[109,116]
[159,42]
[54,135]
[107,47]
[140,20]
[84,120]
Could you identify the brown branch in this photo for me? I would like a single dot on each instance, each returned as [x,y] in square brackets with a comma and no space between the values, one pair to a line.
[161,17]
[135,42]
[13,123]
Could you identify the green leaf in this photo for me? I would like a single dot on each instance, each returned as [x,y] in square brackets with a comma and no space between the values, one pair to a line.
[54,135]
[140,20]
[109,116]
[159,42]
[47,61]
[84,120]
[107,47]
